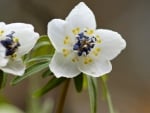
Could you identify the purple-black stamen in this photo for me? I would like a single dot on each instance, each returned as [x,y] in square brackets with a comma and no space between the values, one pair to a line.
[10,35]
[10,45]
[84,44]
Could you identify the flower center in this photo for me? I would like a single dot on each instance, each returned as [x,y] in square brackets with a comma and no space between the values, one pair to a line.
[85,42]
[11,44]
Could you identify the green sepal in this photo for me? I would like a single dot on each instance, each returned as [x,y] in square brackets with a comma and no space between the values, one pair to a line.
[78,81]
[31,70]
[52,83]
[93,90]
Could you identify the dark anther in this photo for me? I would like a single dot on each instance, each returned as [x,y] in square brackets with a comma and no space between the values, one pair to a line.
[10,35]
[84,44]
[10,45]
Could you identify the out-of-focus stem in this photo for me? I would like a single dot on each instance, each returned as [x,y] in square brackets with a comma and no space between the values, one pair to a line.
[107,95]
[63,97]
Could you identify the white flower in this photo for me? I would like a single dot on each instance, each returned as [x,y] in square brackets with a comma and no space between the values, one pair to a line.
[16,40]
[80,47]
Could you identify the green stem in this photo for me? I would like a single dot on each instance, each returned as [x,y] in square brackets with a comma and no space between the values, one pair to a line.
[33,104]
[107,95]
[63,97]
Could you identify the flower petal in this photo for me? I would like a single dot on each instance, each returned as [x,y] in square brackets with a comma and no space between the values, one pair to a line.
[63,67]
[15,67]
[112,43]
[18,26]
[2,50]
[27,39]
[26,35]
[96,68]
[3,60]
[82,16]
[57,31]
[2,25]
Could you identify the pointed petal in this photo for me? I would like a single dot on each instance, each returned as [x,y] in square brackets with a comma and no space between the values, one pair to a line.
[57,31]
[27,39]
[63,67]
[96,68]
[82,16]
[112,43]
[15,67]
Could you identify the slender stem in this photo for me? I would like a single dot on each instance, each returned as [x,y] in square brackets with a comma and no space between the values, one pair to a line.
[33,104]
[107,95]
[63,97]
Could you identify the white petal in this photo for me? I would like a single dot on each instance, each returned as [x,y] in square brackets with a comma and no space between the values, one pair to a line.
[2,25]
[26,35]
[18,26]
[27,39]
[112,43]
[2,50]
[3,60]
[15,67]
[96,68]
[82,16]
[57,30]
[63,67]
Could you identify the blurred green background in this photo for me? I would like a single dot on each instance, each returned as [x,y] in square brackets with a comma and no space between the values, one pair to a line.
[129,80]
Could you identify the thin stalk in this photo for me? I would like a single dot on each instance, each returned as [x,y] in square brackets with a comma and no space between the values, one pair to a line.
[63,97]
[107,95]
[33,104]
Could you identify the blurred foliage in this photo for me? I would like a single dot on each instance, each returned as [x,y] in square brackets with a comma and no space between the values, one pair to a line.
[8,108]
[1,79]
[52,83]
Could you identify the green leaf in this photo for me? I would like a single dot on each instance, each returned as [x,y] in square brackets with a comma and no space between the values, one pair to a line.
[92,88]
[33,69]
[1,79]
[78,81]
[43,41]
[40,58]
[52,83]
[43,47]
[43,44]
[47,73]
